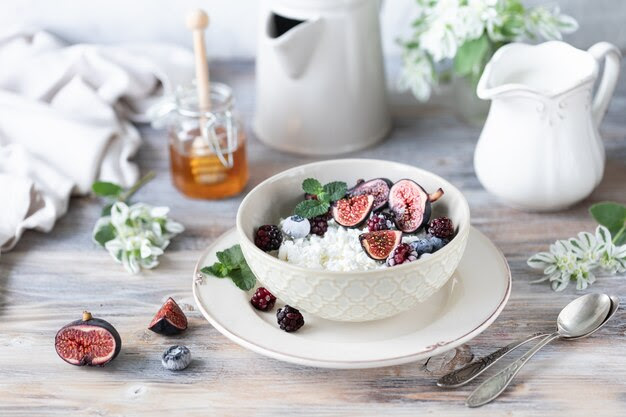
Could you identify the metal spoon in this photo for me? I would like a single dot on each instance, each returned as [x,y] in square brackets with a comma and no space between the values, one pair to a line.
[462,376]
[578,319]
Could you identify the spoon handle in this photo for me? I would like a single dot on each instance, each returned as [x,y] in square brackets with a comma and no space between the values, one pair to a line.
[494,386]
[464,375]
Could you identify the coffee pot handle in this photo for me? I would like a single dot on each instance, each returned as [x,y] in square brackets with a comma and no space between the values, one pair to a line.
[612,59]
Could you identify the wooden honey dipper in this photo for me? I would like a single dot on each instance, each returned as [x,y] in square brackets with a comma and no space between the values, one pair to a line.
[206,166]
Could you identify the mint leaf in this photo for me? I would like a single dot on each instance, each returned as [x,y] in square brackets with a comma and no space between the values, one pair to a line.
[613,217]
[335,190]
[312,186]
[106,189]
[104,234]
[243,277]
[231,257]
[217,269]
[311,208]
[471,56]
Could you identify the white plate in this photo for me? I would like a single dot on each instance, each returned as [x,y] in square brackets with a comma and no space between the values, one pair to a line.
[462,309]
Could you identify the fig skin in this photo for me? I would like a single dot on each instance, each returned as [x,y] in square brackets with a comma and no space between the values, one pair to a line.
[88,321]
[364,187]
[162,325]
[370,239]
[424,208]
[363,216]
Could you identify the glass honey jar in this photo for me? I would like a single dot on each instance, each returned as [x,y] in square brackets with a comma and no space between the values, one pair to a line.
[207,148]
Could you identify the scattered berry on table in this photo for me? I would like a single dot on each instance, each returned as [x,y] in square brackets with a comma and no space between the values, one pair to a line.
[441,227]
[176,358]
[296,227]
[268,238]
[262,299]
[290,319]
[380,221]
[422,246]
[401,254]
[319,225]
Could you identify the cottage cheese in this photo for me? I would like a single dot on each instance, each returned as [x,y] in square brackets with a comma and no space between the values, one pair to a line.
[338,250]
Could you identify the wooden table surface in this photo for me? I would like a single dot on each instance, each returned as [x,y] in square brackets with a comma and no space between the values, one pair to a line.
[48,279]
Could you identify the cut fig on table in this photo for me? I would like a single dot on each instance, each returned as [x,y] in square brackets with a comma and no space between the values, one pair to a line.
[378,188]
[352,211]
[379,245]
[169,320]
[410,205]
[88,341]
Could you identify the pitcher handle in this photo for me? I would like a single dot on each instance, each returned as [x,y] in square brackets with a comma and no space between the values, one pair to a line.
[612,59]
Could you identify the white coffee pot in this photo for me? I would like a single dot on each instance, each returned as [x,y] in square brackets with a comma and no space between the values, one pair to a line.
[540,148]
[320,78]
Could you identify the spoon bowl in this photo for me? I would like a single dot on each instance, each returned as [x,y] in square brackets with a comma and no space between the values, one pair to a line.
[583,316]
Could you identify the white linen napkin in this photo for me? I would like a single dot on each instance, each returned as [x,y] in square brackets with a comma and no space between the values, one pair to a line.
[65,115]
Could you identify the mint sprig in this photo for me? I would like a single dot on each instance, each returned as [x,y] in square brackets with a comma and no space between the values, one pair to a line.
[233,265]
[324,195]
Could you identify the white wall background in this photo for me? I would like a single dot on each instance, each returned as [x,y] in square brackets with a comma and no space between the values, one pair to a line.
[232,32]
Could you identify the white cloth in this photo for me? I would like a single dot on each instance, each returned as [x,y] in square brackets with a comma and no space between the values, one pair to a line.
[65,115]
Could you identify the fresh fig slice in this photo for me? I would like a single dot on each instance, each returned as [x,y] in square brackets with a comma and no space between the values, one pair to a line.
[169,320]
[89,341]
[378,187]
[410,205]
[379,245]
[353,211]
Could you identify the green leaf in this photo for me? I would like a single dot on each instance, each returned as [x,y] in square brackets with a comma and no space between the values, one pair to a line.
[335,190]
[106,210]
[106,189]
[311,208]
[613,217]
[243,277]
[312,186]
[231,257]
[217,270]
[104,234]
[471,55]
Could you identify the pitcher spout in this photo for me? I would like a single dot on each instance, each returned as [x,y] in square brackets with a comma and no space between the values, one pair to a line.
[293,41]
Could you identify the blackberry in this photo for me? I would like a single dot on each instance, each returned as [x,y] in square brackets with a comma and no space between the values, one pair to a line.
[262,299]
[380,221]
[319,225]
[290,319]
[401,254]
[268,237]
[441,227]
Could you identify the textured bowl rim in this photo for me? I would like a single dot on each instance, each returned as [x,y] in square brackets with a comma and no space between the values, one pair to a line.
[463,227]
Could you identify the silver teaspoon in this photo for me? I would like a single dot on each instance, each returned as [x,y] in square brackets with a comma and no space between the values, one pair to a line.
[580,318]
[462,376]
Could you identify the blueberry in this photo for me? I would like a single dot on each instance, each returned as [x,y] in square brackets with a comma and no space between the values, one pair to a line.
[422,246]
[437,242]
[296,227]
[176,358]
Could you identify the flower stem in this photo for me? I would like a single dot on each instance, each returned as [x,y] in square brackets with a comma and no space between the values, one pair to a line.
[619,234]
[136,186]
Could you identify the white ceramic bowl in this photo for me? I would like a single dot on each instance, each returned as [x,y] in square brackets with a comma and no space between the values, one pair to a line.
[349,296]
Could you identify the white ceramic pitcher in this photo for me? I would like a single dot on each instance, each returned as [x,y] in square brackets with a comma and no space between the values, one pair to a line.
[540,148]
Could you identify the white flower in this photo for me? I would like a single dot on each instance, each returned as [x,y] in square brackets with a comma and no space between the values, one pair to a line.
[418,74]
[576,258]
[137,235]
[550,24]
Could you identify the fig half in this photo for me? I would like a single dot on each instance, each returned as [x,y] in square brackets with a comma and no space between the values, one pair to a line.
[88,341]
[379,245]
[169,320]
[410,205]
[352,211]
[379,188]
